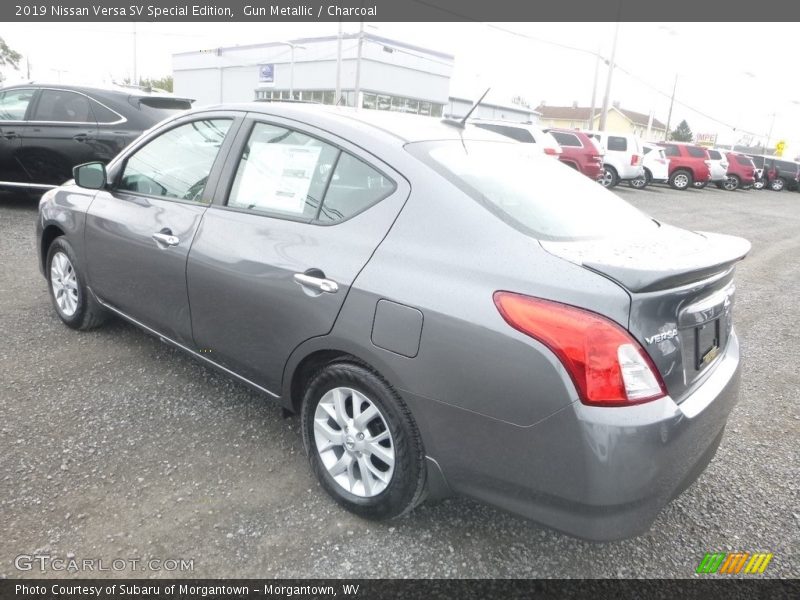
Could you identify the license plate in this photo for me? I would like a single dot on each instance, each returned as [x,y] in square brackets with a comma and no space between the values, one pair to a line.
[706,343]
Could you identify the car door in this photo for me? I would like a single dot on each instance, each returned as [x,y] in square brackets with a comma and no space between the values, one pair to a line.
[14,107]
[296,216]
[138,232]
[60,130]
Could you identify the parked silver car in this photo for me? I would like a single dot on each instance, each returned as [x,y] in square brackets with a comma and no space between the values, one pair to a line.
[451,312]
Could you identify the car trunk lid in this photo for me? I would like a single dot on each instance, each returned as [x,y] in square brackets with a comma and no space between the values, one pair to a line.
[681,289]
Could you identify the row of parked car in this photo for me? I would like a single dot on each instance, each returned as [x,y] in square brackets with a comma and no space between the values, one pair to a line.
[612,158]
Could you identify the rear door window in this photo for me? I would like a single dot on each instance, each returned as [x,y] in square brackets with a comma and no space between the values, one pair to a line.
[672,150]
[697,152]
[63,106]
[617,143]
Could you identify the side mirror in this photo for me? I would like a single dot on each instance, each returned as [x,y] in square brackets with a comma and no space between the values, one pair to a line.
[91,175]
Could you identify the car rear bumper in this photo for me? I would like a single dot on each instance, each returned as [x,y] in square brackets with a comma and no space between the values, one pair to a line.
[593,472]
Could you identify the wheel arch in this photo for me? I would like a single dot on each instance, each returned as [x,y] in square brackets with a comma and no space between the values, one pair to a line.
[49,234]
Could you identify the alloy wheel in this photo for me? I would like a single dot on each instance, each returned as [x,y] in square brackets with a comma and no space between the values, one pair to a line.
[681,180]
[353,442]
[730,184]
[64,283]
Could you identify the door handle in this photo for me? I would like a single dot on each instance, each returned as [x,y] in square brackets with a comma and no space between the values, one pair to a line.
[10,135]
[166,238]
[319,284]
[81,137]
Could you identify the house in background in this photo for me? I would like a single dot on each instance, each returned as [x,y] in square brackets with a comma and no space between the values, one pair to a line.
[619,119]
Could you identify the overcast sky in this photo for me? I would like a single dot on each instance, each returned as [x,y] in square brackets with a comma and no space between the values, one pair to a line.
[730,75]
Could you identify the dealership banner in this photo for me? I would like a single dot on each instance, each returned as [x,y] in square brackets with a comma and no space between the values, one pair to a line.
[397,10]
[462,589]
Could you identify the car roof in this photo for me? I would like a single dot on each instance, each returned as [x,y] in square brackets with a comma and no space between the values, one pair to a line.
[97,87]
[399,127]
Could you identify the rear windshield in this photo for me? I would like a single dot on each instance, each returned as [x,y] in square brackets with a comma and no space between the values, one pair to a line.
[531,191]
[616,143]
[743,160]
[567,139]
[160,107]
[714,155]
[519,134]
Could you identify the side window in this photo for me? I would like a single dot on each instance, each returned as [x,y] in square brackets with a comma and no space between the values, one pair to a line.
[646,150]
[177,163]
[63,107]
[697,152]
[714,155]
[355,186]
[14,103]
[282,172]
[616,143]
[672,150]
[567,139]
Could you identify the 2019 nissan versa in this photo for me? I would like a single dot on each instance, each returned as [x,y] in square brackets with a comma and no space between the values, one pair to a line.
[446,316]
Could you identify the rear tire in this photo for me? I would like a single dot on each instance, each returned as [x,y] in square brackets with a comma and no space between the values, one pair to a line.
[610,177]
[640,182]
[758,184]
[699,185]
[73,302]
[732,182]
[394,463]
[777,184]
[680,179]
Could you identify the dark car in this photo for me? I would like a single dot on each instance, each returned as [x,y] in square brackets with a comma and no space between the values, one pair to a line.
[45,130]
[579,151]
[783,174]
[449,311]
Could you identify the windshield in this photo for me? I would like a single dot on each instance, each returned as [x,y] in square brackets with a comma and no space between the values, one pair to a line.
[533,192]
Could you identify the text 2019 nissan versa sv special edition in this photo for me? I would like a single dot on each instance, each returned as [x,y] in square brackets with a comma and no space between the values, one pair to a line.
[443,312]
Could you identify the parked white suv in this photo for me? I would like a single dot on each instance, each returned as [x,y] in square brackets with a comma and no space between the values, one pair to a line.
[522,132]
[656,166]
[623,156]
[718,165]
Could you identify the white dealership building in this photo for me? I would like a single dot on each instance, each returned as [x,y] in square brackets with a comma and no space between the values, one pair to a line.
[388,74]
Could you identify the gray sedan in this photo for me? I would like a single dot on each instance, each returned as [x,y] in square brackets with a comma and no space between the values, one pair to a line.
[450,312]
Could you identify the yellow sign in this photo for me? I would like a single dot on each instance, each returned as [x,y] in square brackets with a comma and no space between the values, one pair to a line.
[779,148]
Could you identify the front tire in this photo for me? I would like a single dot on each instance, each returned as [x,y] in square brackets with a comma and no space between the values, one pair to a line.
[362,441]
[640,182]
[74,305]
[680,180]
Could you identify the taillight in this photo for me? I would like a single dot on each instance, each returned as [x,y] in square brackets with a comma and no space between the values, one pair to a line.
[635,159]
[606,364]
[552,151]
[708,163]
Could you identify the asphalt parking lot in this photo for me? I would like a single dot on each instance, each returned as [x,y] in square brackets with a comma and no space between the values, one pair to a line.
[113,445]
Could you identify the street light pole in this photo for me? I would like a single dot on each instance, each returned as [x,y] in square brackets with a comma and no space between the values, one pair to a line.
[604,113]
[357,90]
[338,67]
[671,103]
[590,125]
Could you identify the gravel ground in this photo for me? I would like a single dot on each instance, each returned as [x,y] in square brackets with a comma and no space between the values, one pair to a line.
[113,445]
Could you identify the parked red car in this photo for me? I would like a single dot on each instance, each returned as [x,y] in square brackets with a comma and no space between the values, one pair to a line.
[579,152]
[741,172]
[687,164]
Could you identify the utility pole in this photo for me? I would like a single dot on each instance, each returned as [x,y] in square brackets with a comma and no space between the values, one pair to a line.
[769,135]
[604,113]
[135,74]
[671,103]
[338,67]
[594,90]
[357,90]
